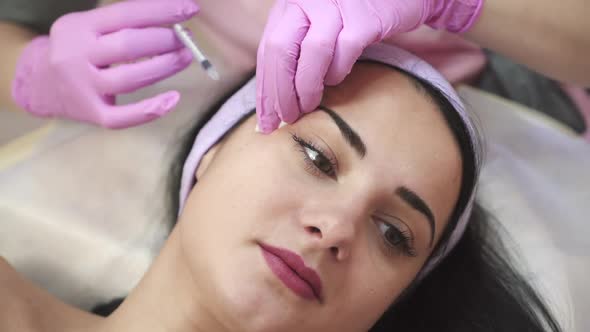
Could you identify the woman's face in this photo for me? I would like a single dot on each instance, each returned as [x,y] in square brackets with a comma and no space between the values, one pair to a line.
[359,198]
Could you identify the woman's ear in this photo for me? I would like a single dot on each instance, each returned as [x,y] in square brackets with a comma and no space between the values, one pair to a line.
[205,161]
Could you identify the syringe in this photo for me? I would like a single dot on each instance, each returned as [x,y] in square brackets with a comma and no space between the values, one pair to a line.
[185,38]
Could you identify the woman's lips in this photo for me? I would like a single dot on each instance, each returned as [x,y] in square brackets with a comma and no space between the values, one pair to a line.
[291,270]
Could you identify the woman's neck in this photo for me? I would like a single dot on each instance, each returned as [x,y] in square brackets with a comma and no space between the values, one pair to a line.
[24,307]
[166,299]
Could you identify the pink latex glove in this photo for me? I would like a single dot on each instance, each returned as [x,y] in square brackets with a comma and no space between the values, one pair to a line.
[311,43]
[68,74]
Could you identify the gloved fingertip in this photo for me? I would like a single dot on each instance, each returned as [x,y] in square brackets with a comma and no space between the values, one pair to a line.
[267,122]
[185,57]
[266,127]
[164,104]
[190,8]
[290,116]
[338,72]
[334,79]
[170,101]
[312,102]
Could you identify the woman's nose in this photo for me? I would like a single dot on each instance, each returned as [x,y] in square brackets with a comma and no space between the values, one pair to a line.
[330,231]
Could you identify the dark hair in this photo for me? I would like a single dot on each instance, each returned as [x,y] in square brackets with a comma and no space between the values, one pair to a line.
[475,288]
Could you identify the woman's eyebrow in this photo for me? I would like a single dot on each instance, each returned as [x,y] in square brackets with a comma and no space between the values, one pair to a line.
[350,136]
[418,204]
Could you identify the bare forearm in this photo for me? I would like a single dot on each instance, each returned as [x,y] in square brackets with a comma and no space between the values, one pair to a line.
[551,37]
[13,39]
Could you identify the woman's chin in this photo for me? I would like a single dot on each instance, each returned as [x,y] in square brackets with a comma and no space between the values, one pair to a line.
[256,298]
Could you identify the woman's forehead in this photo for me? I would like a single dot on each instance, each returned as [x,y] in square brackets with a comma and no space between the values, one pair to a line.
[372,85]
[377,98]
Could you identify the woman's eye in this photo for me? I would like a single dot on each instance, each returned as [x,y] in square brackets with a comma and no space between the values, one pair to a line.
[320,161]
[396,238]
[315,158]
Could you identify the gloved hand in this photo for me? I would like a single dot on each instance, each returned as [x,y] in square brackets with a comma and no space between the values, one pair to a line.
[68,74]
[311,43]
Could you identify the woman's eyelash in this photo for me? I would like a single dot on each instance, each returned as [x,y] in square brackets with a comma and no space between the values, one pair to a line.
[317,161]
[406,244]
[404,241]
